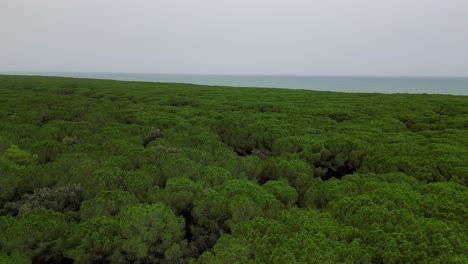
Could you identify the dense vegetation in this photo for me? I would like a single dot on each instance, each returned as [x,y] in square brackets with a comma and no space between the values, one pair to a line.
[95,171]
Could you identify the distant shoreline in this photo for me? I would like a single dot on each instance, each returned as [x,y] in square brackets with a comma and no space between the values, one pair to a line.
[351,84]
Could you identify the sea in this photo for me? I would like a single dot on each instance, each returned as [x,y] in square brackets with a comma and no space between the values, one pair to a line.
[353,84]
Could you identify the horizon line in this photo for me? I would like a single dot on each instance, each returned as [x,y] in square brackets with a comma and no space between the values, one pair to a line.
[237,74]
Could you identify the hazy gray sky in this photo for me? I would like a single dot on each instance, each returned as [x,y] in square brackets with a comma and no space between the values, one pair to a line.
[323,37]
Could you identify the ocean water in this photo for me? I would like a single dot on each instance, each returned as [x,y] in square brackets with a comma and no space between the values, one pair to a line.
[416,85]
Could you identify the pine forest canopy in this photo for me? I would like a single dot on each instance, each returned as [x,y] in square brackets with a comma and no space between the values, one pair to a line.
[100,171]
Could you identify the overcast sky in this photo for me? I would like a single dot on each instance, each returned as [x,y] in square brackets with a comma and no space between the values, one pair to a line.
[288,37]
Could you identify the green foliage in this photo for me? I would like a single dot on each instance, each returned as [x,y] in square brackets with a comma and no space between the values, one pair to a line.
[297,172]
[300,236]
[213,176]
[96,240]
[138,182]
[48,151]
[180,193]
[10,179]
[336,157]
[282,192]
[156,133]
[14,258]
[233,202]
[396,216]
[249,135]
[452,207]
[218,209]
[107,203]
[34,234]
[19,156]
[179,173]
[152,233]
[106,179]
